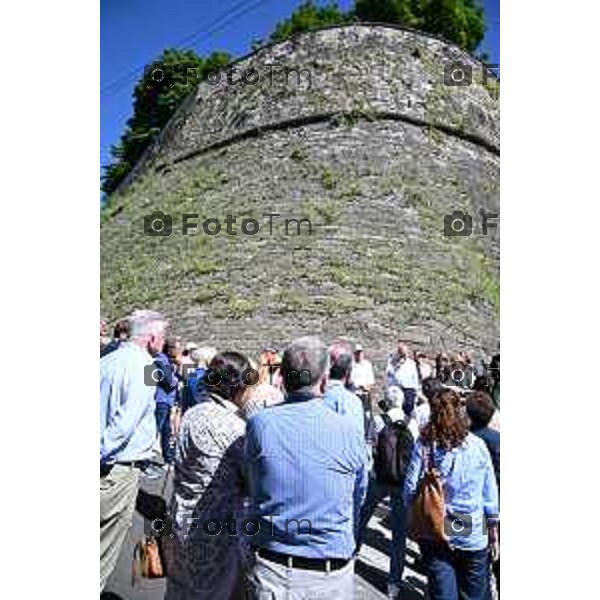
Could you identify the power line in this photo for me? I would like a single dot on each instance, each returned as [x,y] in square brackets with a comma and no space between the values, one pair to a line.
[127,76]
[230,15]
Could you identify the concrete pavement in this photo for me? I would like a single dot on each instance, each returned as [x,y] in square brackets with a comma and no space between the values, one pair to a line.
[371,567]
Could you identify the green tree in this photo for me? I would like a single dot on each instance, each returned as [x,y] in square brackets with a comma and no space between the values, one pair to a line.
[388,11]
[459,21]
[156,96]
[307,16]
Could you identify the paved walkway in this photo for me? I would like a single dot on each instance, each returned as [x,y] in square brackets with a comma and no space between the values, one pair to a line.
[371,567]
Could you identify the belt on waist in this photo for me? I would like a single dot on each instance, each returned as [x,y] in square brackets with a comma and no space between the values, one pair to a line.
[302,562]
[105,469]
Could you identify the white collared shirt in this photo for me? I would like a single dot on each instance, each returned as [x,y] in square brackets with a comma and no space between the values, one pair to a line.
[403,374]
[362,374]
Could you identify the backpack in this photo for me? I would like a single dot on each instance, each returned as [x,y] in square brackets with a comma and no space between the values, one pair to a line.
[393,452]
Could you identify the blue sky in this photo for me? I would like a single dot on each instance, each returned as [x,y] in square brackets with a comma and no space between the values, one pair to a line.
[135,32]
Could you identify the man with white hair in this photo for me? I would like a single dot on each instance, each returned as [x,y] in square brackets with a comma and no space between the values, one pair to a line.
[127,429]
[395,401]
[203,355]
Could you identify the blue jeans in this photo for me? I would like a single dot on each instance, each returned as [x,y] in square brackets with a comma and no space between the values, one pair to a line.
[453,573]
[163,425]
[375,494]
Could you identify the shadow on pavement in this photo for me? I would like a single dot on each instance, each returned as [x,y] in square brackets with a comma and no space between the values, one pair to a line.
[417,586]
[376,577]
[412,589]
[377,540]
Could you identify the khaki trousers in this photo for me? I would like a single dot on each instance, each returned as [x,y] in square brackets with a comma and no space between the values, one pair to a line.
[118,493]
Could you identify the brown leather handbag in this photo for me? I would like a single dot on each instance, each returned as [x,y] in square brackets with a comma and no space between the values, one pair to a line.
[428,511]
[148,559]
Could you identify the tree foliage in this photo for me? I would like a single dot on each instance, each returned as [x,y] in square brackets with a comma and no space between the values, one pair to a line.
[156,96]
[307,16]
[458,21]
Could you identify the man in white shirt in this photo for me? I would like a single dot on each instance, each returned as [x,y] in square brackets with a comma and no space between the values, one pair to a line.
[362,370]
[402,372]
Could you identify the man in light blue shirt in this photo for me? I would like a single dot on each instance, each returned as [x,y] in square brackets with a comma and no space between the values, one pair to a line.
[127,425]
[308,476]
[337,396]
[127,430]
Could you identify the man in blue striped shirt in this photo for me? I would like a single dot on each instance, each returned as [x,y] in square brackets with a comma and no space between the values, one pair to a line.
[337,396]
[308,477]
[127,430]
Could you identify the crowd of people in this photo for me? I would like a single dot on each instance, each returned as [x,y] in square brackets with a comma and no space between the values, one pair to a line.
[278,465]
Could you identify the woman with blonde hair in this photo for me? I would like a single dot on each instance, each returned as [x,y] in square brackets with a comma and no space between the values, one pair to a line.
[267,391]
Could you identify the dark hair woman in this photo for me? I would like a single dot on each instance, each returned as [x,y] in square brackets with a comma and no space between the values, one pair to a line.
[461,566]
[431,387]
[208,490]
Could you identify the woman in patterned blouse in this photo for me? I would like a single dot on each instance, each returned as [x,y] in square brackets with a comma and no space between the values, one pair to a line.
[205,553]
